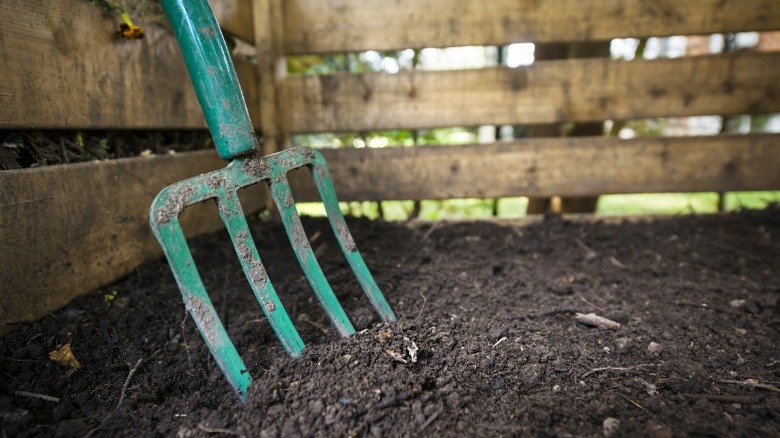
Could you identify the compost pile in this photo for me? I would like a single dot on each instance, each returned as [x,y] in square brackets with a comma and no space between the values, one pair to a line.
[488,343]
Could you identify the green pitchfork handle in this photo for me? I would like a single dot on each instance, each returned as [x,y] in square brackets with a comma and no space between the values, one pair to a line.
[213,76]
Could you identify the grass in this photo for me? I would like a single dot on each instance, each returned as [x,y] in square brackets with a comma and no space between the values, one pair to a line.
[612,205]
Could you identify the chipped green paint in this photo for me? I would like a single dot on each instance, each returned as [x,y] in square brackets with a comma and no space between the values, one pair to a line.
[216,85]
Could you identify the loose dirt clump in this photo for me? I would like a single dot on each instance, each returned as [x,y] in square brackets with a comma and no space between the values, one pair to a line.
[488,342]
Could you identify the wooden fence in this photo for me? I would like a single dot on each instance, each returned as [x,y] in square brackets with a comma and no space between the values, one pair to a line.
[66,230]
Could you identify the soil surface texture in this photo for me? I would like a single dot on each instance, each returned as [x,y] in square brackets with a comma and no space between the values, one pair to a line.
[489,341]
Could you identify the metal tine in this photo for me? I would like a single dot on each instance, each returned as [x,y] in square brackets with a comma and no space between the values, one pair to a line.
[282,162]
[223,185]
[322,180]
[233,216]
[199,305]
[282,195]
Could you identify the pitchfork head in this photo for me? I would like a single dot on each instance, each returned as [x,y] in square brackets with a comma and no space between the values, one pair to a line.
[223,185]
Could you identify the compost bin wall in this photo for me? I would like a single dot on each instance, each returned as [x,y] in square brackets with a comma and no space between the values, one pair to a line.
[67,229]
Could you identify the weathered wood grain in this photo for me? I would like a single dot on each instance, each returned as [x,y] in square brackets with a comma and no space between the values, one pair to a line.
[63,67]
[319,26]
[247,77]
[546,92]
[570,166]
[68,230]
[271,71]
[234,17]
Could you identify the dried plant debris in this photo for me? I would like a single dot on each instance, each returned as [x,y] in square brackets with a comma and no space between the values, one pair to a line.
[23,149]
[143,11]
[63,355]
[594,320]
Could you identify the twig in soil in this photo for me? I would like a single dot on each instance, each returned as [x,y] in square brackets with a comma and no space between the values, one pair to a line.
[499,341]
[127,383]
[633,403]
[589,253]
[420,243]
[184,339]
[430,420]
[594,320]
[38,396]
[207,429]
[425,300]
[598,370]
[121,396]
[29,341]
[305,318]
[591,304]
[753,383]
[616,263]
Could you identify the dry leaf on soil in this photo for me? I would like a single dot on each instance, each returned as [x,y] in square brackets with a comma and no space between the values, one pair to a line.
[64,355]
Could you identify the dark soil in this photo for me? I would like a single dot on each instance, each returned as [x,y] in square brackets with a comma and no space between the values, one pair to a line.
[23,149]
[490,308]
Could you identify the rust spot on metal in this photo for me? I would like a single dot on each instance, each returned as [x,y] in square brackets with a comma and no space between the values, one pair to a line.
[174,205]
[269,305]
[288,200]
[207,32]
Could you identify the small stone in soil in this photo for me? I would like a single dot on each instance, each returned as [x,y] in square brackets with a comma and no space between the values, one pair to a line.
[611,426]
[654,347]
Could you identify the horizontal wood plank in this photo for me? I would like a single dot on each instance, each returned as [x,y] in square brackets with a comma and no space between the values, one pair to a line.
[64,68]
[319,26]
[68,230]
[546,92]
[576,166]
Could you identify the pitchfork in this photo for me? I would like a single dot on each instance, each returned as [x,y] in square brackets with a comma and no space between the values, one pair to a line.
[214,78]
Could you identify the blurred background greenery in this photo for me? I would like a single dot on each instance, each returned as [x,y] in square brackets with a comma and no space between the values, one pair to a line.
[517,55]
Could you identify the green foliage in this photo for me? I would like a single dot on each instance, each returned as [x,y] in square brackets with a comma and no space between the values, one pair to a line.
[143,11]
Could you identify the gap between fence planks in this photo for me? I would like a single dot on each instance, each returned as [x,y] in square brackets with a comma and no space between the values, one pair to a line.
[68,230]
[546,92]
[318,26]
[553,166]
